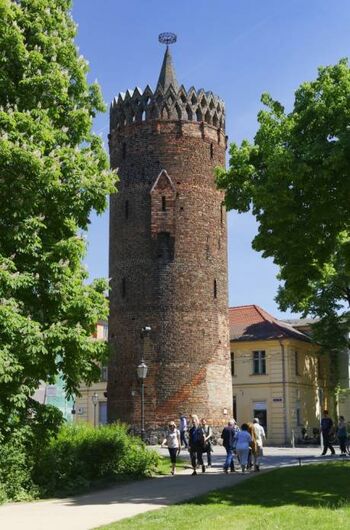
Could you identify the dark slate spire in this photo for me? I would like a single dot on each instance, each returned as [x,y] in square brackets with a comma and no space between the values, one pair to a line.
[167,75]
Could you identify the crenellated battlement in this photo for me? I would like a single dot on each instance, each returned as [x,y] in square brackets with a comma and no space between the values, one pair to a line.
[136,106]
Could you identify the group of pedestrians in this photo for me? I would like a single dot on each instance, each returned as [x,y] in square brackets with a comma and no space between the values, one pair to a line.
[329,431]
[245,443]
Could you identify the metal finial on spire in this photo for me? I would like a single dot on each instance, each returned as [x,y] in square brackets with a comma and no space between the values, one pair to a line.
[167,75]
[167,38]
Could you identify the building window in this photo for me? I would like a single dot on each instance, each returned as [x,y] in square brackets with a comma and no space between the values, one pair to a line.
[215,289]
[163,203]
[102,413]
[234,407]
[298,417]
[259,362]
[126,209]
[296,360]
[211,151]
[104,373]
[232,363]
[123,288]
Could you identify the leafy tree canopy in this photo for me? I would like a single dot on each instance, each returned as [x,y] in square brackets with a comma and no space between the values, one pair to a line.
[53,173]
[296,179]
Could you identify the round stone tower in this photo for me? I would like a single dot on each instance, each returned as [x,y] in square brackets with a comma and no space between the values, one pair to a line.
[168,255]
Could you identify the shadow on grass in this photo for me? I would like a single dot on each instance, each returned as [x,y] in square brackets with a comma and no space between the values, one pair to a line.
[324,485]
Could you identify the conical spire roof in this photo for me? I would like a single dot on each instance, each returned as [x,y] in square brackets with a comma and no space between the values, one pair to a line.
[167,74]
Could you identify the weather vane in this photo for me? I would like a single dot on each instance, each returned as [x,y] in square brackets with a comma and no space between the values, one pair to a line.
[167,38]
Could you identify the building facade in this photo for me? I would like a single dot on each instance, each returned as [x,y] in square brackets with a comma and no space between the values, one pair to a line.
[168,255]
[91,405]
[277,375]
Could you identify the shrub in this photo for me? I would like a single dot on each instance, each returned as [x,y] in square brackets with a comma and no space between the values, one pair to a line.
[82,456]
[15,472]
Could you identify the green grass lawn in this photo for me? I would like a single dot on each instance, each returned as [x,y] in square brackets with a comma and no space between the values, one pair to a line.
[313,497]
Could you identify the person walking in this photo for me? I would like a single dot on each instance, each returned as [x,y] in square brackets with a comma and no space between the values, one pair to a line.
[208,434]
[196,444]
[172,441]
[327,430]
[228,436]
[243,442]
[183,430]
[253,450]
[342,435]
[260,437]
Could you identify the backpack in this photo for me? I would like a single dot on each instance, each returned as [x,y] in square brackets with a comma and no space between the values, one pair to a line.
[198,437]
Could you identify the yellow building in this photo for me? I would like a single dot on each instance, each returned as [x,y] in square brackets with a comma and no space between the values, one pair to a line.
[277,375]
[91,405]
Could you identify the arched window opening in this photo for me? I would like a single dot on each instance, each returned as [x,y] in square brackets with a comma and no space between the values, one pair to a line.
[163,203]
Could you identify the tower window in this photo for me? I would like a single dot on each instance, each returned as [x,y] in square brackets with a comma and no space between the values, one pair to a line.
[124,151]
[123,288]
[215,289]
[126,209]
[211,151]
[163,203]
[222,214]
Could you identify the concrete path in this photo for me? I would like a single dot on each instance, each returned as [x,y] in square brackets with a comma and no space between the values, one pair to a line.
[90,511]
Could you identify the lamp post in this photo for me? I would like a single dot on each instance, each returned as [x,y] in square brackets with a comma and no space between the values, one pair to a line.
[94,400]
[142,374]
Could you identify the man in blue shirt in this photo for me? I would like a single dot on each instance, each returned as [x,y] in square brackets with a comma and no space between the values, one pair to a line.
[183,430]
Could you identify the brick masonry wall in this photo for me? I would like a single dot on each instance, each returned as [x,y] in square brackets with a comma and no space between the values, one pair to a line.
[163,266]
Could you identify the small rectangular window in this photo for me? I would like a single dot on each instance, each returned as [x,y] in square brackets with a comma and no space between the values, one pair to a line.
[299,419]
[104,373]
[233,364]
[296,360]
[215,289]
[163,203]
[234,407]
[211,151]
[259,362]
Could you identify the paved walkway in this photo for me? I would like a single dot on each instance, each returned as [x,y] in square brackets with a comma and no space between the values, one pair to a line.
[90,511]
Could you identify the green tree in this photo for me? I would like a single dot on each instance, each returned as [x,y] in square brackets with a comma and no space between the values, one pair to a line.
[53,174]
[295,177]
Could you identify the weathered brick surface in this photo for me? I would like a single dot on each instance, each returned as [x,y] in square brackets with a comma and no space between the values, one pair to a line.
[163,265]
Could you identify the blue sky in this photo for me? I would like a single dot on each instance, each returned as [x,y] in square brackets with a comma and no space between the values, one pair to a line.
[236,48]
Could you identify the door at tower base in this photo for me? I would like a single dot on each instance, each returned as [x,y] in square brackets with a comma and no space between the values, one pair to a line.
[168,257]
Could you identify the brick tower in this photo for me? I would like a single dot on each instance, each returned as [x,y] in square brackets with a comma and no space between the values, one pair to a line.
[168,255]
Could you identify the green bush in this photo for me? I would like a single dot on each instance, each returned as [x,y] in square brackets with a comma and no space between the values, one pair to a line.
[15,472]
[82,456]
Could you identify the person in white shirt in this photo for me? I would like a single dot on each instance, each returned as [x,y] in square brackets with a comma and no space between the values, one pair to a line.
[260,438]
[243,442]
[172,441]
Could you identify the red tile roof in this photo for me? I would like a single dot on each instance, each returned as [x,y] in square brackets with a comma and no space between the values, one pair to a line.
[251,322]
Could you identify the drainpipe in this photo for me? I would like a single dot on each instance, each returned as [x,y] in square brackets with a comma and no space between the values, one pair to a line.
[284,390]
